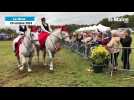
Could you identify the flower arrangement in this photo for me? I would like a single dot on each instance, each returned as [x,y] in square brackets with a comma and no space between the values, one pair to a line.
[99,56]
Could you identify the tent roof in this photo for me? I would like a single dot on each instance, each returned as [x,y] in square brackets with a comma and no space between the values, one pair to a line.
[94,28]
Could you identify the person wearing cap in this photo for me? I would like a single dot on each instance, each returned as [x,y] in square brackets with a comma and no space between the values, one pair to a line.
[45,26]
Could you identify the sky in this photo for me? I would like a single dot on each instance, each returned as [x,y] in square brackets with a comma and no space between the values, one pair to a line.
[56,18]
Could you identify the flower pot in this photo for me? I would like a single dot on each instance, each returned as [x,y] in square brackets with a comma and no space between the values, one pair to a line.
[98,68]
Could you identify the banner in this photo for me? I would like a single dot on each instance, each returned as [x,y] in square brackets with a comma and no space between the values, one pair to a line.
[21,20]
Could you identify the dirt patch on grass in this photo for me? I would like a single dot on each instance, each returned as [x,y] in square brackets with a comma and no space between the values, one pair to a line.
[16,76]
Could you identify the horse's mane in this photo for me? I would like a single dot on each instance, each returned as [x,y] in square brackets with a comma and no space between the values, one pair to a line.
[57,30]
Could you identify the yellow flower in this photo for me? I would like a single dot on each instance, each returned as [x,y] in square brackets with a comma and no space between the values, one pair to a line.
[99,52]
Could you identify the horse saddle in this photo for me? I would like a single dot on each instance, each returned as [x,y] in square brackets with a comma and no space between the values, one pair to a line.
[42,38]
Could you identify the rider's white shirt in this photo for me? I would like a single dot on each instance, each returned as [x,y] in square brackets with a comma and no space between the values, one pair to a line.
[42,27]
[17,38]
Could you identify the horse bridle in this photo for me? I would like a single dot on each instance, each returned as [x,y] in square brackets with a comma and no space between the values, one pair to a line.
[57,38]
[33,41]
[52,41]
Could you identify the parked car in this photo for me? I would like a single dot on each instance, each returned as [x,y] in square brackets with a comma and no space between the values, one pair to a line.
[4,36]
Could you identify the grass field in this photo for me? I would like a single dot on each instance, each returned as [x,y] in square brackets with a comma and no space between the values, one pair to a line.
[70,71]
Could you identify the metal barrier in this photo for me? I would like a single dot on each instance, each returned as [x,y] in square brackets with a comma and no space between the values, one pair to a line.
[80,48]
[84,51]
[124,59]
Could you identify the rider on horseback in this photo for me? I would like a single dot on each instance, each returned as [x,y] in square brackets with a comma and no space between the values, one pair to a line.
[17,41]
[45,26]
[21,33]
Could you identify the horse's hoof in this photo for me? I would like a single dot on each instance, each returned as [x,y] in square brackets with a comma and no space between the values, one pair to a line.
[21,68]
[29,70]
[51,71]
[45,64]
[51,68]
[18,66]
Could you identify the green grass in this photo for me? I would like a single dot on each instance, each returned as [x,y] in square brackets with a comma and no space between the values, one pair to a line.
[70,71]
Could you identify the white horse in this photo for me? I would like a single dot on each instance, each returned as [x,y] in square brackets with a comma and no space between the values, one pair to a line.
[26,51]
[50,45]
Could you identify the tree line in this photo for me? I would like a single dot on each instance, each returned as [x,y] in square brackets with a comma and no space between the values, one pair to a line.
[7,31]
[105,21]
[118,24]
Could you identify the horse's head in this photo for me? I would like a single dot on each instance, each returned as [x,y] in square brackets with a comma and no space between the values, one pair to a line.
[65,36]
[61,34]
[57,33]
[33,36]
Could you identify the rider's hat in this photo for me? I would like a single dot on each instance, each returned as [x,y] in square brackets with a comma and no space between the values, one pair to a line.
[43,18]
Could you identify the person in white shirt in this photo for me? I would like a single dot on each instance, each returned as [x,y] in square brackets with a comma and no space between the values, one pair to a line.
[17,41]
[21,32]
[45,26]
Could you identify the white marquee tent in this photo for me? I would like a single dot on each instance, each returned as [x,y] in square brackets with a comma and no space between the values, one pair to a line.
[98,28]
